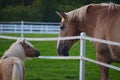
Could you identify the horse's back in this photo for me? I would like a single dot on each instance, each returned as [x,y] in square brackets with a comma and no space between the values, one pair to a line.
[6,67]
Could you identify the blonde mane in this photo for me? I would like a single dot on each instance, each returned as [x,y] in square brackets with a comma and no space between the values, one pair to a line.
[80,13]
[111,6]
[16,50]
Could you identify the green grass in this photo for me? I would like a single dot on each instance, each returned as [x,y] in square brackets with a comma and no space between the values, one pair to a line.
[47,69]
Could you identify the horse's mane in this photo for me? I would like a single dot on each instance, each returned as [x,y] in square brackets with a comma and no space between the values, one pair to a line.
[111,6]
[16,50]
[80,13]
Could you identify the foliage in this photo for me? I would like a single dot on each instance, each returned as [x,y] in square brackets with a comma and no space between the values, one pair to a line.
[48,9]
[19,13]
[40,10]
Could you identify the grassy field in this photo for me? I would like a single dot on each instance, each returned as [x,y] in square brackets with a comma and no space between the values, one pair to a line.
[47,69]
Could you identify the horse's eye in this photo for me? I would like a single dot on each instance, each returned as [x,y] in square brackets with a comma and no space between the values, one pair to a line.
[62,27]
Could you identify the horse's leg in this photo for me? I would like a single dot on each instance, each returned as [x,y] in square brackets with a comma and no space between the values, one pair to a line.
[104,70]
[104,73]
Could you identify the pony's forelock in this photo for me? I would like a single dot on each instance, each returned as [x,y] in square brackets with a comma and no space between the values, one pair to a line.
[21,39]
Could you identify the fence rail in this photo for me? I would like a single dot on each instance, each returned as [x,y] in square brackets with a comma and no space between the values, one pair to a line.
[82,57]
[29,27]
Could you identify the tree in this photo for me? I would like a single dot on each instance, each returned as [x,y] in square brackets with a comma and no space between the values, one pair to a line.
[19,13]
[47,10]
[40,10]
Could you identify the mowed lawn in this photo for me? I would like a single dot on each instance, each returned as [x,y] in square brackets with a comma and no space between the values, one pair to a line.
[47,69]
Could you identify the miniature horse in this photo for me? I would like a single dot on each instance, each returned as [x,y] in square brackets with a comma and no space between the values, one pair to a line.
[96,20]
[11,63]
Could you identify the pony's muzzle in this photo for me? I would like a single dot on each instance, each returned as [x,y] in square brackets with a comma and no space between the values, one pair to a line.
[37,53]
[63,51]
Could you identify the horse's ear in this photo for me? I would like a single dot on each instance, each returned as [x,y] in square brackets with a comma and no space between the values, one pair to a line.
[63,15]
[18,40]
[22,41]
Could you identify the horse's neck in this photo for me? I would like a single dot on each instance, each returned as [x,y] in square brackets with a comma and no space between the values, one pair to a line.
[15,52]
[92,17]
[12,54]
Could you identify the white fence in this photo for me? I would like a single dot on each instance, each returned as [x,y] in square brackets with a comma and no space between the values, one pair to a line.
[29,27]
[82,57]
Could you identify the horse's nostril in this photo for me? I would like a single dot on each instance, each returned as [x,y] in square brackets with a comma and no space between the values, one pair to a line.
[37,53]
[63,51]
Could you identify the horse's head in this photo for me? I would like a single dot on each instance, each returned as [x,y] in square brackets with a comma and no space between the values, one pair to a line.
[67,28]
[30,51]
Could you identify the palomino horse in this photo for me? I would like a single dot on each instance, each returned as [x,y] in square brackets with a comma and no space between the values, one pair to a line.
[11,64]
[97,20]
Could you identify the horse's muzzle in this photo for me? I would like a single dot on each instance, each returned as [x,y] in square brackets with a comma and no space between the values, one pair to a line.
[63,51]
[37,53]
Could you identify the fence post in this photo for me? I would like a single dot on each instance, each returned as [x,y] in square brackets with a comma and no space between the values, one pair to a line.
[1,29]
[22,26]
[31,29]
[15,27]
[82,54]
